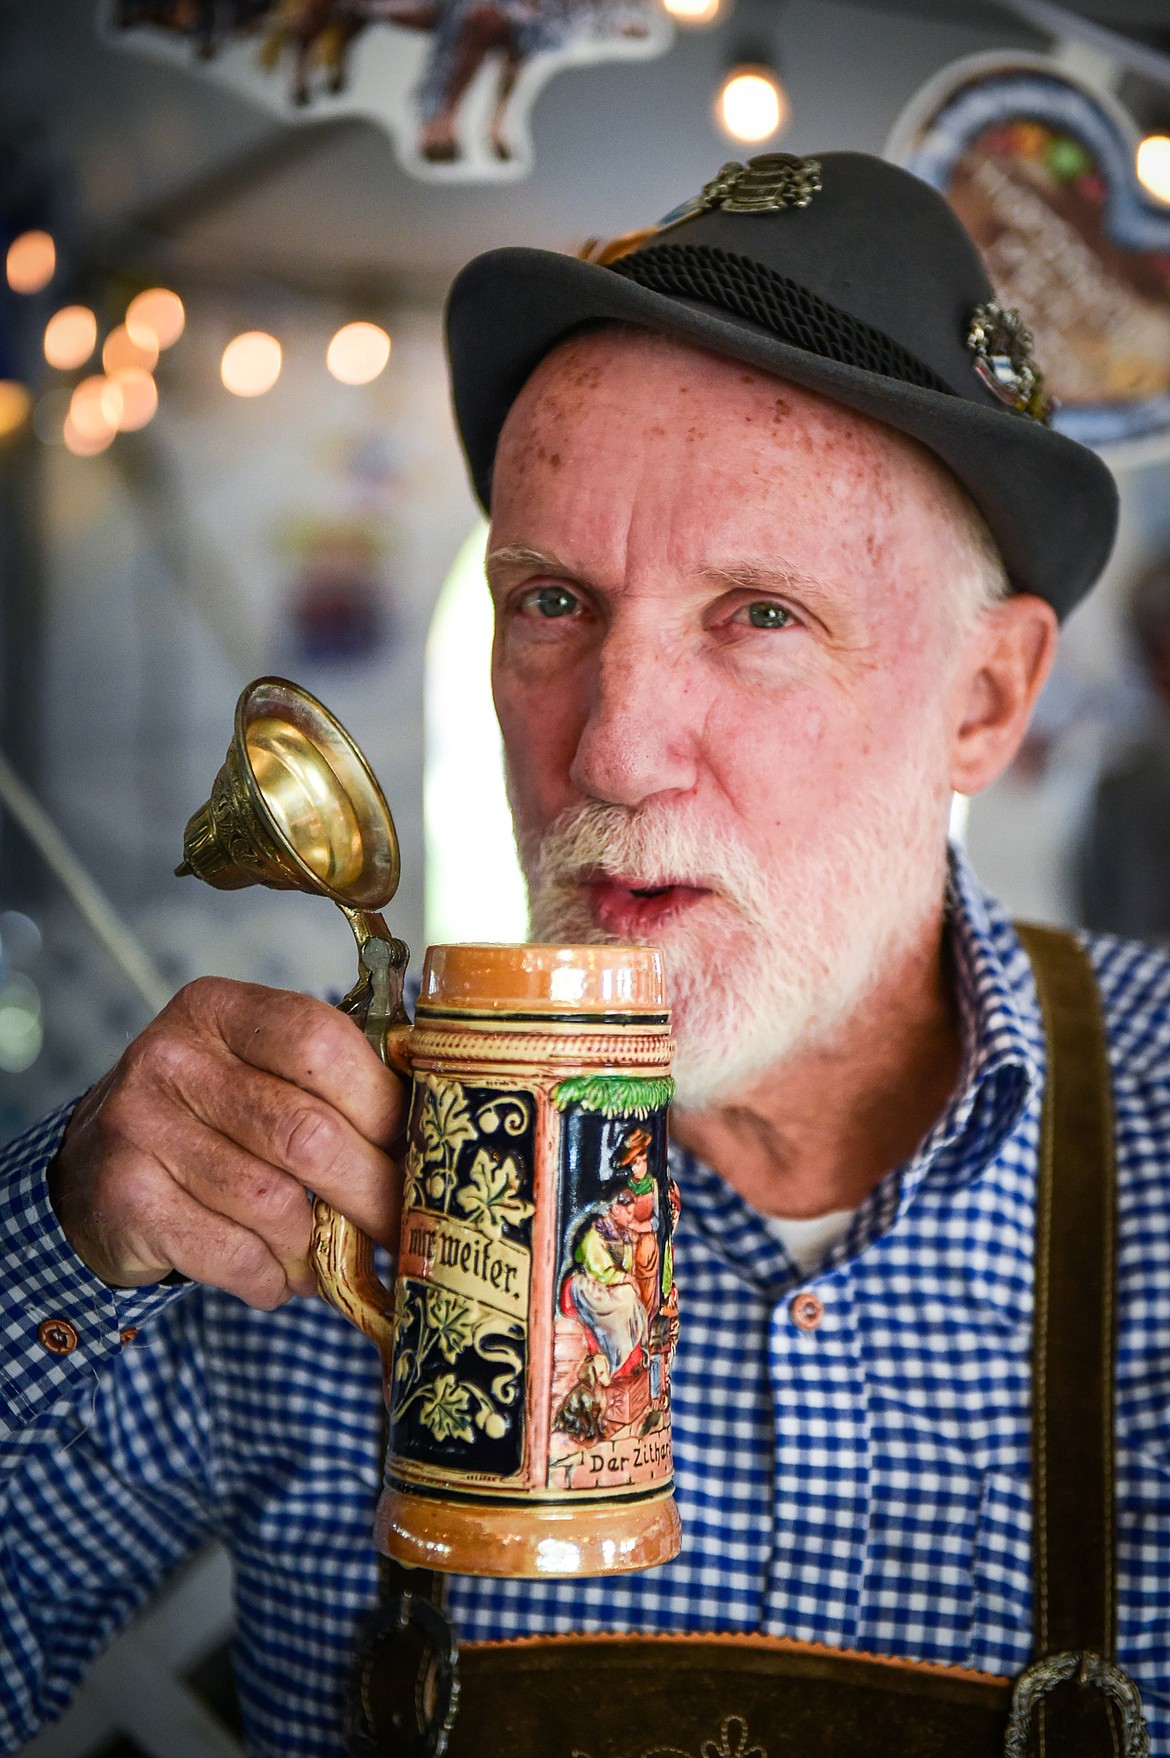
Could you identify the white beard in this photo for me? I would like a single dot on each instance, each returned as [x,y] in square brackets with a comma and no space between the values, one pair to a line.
[775,961]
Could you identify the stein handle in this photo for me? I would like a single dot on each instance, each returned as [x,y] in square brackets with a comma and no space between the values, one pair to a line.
[342,1256]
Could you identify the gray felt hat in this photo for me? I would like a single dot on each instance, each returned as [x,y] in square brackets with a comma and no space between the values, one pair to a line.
[843,274]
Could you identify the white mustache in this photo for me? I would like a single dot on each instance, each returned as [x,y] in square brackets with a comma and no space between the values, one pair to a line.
[649,847]
[788,940]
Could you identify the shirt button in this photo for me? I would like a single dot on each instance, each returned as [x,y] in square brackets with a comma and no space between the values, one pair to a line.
[128,1335]
[57,1336]
[807,1311]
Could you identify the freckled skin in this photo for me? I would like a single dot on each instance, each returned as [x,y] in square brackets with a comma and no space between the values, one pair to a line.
[637,507]
[672,463]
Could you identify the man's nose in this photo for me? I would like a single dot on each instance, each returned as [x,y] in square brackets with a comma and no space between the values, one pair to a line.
[640,737]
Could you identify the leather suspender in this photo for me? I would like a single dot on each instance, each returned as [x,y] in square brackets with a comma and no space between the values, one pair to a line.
[1073,1701]
[1073,1327]
[1074,1618]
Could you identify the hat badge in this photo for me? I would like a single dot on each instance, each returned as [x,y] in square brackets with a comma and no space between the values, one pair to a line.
[1002,347]
[764,185]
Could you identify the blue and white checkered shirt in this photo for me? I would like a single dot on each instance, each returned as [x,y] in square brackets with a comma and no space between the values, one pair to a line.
[862,1484]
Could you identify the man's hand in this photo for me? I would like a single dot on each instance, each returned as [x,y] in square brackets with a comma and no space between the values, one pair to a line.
[197,1151]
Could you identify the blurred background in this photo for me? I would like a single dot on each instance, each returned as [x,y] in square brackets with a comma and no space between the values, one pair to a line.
[226,449]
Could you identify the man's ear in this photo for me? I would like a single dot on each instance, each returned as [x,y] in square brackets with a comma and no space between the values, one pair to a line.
[1009,655]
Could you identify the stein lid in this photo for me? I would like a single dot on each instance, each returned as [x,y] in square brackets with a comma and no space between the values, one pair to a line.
[552,979]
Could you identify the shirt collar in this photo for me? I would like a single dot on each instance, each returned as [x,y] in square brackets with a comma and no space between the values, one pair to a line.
[996,991]
[1001,1076]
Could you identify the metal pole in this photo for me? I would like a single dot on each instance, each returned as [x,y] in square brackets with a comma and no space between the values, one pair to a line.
[119,940]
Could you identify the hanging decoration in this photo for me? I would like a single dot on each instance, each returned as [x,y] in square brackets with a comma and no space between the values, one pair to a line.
[1039,164]
[453,81]
[341,603]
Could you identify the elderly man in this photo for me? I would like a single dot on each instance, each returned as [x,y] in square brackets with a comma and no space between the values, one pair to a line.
[779,546]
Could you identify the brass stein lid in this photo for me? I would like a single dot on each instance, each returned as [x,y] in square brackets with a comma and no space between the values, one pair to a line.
[545,979]
[295,806]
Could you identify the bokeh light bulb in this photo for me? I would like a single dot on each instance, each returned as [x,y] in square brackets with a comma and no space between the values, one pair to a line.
[32,262]
[752,107]
[83,445]
[96,406]
[358,353]
[156,317]
[70,337]
[139,399]
[20,939]
[692,11]
[251,364]
[22,1035]
[1153,166]
[15,403]
[122,352]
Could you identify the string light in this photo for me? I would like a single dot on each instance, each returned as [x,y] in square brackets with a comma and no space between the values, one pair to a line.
[84,445]
[751,105]
[22,1035]
[15,403]
[692,11]
[70,337]
[122,353]
[1153,166]
[156,317]
[251,364]
[358,353]
[139,399]
[96,407]
[32,262]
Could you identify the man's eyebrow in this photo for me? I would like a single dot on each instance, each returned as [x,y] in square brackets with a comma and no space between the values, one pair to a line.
[754,576]
[771,575]
[518,555]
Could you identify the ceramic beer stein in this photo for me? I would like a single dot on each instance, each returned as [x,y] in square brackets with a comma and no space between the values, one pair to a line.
[526,1345]
[527,1357]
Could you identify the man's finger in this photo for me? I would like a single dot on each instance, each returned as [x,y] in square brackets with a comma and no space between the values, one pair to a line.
[209,1247]
[173,1231]
[268,1129]
[302,1040]
[225,1178]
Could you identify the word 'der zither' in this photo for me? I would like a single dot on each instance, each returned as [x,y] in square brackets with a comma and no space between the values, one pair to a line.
[450,1254]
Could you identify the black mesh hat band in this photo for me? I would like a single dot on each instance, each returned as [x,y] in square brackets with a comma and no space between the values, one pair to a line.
[749,289]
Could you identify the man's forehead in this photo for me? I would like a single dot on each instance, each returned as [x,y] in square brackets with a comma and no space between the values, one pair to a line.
[695,442]
[604,360]
[674,391]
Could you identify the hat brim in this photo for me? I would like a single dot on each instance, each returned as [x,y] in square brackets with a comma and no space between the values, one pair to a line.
[1050,504]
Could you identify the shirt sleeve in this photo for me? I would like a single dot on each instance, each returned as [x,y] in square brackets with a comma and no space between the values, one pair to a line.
[59,1324]
[107,1476]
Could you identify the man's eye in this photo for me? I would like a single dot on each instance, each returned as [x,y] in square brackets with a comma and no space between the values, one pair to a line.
[764,615]
[551,601]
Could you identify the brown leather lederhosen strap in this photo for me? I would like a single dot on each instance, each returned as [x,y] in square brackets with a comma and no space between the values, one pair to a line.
[1073,1345]
[762,1697]
[1073,1355]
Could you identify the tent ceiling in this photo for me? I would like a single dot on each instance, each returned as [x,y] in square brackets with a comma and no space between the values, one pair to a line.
[174,169]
